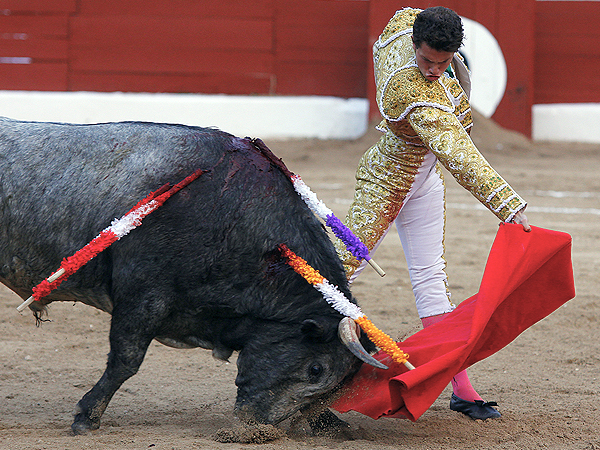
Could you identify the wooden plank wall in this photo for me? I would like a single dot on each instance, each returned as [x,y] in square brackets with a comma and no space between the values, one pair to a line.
[287,47]
[34,44]
[321,47]
[172,46]
[567,52]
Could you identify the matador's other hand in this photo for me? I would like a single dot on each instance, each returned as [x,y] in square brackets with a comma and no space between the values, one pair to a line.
[521,219]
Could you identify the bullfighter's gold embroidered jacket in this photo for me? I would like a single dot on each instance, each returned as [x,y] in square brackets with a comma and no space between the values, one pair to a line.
[419,116]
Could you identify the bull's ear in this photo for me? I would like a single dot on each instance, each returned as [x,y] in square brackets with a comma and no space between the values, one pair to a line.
[312,328]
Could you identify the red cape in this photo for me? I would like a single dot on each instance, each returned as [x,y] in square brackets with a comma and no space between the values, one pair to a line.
[527,277]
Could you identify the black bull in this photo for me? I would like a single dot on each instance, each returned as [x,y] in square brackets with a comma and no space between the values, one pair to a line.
[201,271]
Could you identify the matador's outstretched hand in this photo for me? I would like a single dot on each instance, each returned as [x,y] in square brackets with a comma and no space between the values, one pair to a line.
[521,219]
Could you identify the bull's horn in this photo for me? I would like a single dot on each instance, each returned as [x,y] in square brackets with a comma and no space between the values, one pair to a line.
[347,331]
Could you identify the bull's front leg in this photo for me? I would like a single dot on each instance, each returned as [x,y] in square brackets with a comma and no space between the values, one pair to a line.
[128,347]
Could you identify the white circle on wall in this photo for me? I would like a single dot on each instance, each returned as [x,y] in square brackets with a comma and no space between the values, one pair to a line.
[487,65]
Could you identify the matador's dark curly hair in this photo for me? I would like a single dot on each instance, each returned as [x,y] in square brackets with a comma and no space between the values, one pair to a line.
[440,28]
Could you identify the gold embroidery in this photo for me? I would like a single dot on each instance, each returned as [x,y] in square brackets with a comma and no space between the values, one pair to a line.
[400,84]
[384,176]
[393,50]
[443,134]
[408,88]
[401,21]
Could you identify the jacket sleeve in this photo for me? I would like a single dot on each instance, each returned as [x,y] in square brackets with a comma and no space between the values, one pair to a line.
[443,134]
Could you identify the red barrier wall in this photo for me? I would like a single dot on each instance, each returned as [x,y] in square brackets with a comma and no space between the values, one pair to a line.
[34,44]
[287,47]
[567,52]
[284,47]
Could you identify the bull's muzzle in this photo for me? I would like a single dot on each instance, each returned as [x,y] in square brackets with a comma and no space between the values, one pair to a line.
[348,331]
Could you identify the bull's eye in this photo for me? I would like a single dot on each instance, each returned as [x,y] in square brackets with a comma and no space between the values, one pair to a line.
[315,370]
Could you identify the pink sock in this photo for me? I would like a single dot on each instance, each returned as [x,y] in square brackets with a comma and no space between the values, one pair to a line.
[461,385]
[431,320]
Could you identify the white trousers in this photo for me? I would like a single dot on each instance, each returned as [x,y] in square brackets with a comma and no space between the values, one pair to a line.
[421,227]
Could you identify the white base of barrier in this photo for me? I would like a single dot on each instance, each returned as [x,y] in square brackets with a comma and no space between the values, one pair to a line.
[267,117]
[574,122]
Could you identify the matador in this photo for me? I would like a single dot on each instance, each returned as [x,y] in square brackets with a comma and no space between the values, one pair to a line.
[422,93]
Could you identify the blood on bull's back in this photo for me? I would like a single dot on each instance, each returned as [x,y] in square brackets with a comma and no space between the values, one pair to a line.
[201,271]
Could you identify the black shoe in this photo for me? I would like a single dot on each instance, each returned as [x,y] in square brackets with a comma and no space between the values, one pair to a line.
[475,410]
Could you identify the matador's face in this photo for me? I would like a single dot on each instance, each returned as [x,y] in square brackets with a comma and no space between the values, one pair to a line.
[432,63]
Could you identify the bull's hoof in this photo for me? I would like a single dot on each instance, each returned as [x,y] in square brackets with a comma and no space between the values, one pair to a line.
[83,425]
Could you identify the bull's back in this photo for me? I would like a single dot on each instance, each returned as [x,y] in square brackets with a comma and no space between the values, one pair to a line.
[61,184]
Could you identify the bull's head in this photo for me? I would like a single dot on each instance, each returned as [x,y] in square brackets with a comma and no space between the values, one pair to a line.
[296,367]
